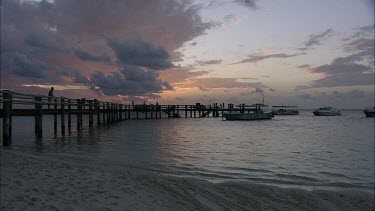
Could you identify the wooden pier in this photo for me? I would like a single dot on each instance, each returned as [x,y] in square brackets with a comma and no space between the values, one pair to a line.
[18,104]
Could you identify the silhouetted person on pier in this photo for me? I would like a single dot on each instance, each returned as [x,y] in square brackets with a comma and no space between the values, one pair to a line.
[50,96]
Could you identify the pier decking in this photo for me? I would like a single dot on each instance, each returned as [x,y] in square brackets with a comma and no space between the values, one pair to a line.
[98,112]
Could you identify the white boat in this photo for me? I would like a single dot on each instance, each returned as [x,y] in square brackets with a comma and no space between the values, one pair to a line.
[255,113]
[285,110]
[369,112]
[327,111]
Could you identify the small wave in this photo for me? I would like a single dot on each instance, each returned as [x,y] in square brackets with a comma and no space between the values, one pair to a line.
[247,169]
[334,175]
[298,178]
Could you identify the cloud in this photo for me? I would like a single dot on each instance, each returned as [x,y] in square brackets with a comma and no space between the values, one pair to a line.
[363,31]
[203,89]
[177,75]
[21,65]
[253,58]
[39,71]
[86,56]
[316,39]
[209,62]
[141,53]
[118,84]
[361,44]
[247,3]
[351,70]
[258,90]
[212,83]
[304,66]
[52,38]
[233,18]
[42,43]
[306,96]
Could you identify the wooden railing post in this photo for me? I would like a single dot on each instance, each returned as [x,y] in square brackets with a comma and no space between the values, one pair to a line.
[79,110]
[104,111]
[38,117]
[69,114]
[120,113]
[55,115]
[91,114]
[108,111]
[62,115]
[97,109]
[7,118]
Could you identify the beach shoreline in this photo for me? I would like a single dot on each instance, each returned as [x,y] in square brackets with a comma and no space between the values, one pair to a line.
[33,182]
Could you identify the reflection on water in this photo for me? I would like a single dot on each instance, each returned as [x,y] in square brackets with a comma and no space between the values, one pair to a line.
[302,149]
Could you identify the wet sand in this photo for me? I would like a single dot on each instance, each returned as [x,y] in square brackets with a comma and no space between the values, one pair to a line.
[33,182]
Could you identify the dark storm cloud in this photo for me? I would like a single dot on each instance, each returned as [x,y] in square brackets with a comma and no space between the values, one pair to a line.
[65,29]
[134,73]
[117,84]
[208,62]
[86,56]
[21,65]
[141,53]
[41,42]
[316,39]
[259,57]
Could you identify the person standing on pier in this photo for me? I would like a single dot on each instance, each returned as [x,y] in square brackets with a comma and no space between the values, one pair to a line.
[50,96]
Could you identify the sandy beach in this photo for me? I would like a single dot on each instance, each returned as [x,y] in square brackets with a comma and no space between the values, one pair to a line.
[33,182]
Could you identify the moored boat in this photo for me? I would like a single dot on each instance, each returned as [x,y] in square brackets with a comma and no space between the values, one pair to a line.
[285,110]
[327,111]
[255,113]
[369,112]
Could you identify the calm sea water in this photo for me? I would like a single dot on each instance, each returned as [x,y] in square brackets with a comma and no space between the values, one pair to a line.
[302,150]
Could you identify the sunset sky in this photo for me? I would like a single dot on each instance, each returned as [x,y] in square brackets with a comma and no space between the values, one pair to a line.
[305,53]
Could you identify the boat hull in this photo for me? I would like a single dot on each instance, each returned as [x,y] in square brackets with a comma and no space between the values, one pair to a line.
[317,113]
[247,116]
[285,113]
[369,113]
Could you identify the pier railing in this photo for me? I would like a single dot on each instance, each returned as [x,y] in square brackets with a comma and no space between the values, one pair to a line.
[98,112]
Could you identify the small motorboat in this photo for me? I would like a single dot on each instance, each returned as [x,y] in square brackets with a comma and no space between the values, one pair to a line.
[327,111]
[285,110]
[369,112]
[255,113]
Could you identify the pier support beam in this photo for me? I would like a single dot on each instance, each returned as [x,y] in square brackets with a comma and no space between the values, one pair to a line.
[7,118]
[38,117]
[62,115]
[69,115]
[97,110]
[91,114]
[55,115]
[79,115]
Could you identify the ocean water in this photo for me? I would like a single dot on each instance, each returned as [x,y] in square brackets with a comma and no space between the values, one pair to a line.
[296,150]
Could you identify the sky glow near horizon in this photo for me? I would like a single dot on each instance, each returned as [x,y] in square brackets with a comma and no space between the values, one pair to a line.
[306,53]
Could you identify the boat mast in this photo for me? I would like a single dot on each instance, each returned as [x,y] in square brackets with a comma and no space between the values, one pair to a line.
[263,99]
